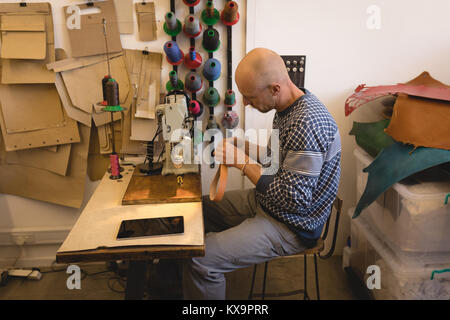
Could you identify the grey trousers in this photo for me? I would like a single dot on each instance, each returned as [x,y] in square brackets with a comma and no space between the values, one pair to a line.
[239,234]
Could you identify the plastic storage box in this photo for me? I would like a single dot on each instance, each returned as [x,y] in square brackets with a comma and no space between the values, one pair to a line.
[402,277]
[413,217]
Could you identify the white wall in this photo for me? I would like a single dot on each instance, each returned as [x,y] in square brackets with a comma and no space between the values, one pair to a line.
[48,224]
[343,53]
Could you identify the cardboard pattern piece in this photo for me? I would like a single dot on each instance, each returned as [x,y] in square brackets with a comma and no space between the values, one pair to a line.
[124,10]
[85,87]
[29,107]
[44,185]
[39,138]
[90,39]
[23,37]
[36,16]
[146,19]
[144,70]
[41,158]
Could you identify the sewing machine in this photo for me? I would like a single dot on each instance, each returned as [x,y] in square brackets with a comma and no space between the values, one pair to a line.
[177,133]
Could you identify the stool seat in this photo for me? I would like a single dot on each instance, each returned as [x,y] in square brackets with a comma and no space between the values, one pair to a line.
[318,248]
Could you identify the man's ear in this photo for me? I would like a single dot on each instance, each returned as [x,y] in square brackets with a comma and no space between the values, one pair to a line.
[275,88]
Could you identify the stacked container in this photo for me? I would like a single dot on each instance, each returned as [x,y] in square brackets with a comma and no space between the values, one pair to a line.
[406,232]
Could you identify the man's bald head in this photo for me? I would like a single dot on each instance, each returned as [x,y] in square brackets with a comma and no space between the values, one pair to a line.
[260,68]
[263,81]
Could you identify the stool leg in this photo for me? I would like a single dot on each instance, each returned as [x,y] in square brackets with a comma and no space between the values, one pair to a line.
[264,281]
[250,295]
[317,277]
[305,297]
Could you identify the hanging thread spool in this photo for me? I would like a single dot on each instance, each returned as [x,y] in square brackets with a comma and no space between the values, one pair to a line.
[230,14]
[193,60]
[211,97]
[174,54]
[193,82]
[174,82]
[192,27]
[212,69]
[104,82]
[115,167]
[195,108]
[211,41]
[172,26]
[191,3]
[230,120]
[210,15]
[112,96]
[230,98]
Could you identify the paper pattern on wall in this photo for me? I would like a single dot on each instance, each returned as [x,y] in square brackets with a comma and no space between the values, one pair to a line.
[89,39]
[44,185]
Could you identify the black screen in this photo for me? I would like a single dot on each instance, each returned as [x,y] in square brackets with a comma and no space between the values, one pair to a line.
[150,227]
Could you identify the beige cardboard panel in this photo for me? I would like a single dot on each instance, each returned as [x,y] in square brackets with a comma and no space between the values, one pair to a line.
[74,63]
[38,8]
[47,186]
[22,23]
[73,113]
[146,19]
[28,107]
[124,10]
[130,146]
[85,87]
[23,45]
[15,71]
[39,138]
[89,39]
[145,76]
[41,158]
[50,149]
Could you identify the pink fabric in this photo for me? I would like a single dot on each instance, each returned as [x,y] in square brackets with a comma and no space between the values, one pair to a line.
[365,94]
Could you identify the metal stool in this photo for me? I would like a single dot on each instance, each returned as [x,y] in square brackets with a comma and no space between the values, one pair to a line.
[316,251]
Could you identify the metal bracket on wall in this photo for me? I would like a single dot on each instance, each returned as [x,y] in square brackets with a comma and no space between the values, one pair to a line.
[296,69]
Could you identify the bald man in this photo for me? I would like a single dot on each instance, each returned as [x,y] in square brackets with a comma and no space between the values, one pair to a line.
[287,210]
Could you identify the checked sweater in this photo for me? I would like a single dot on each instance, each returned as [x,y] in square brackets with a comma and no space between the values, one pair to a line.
[298,186]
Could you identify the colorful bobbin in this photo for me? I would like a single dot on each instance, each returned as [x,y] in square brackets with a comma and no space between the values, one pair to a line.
[174,54]
[230,14]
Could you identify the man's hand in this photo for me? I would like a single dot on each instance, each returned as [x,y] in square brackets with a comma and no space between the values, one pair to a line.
[228,154]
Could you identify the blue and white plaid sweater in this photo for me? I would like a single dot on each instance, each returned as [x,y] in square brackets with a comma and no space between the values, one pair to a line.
[301,192]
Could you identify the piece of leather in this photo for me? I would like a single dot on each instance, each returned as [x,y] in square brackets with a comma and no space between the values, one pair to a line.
[371,136]
[219,184]
[395,163]
[422,86]
[421,122]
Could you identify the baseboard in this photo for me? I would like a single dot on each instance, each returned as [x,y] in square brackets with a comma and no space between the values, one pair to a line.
[34,235]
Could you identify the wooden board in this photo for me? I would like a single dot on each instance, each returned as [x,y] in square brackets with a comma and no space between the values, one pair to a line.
[163,189]
[131,253]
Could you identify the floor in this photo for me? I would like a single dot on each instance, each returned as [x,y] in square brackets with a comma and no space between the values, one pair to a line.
[99,283]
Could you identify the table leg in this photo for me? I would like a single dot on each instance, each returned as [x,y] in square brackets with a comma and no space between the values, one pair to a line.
[136,280]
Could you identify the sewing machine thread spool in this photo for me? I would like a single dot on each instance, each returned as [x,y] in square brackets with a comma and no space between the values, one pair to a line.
[104,82]
[193,82]
[191,3]
[192,27]
[172,26]
[115,167]
[230,98]
[174,54]
[195,108]
[112,93]
[211,97]
[193,60]
[212,69]
[230,14]
[210,15]
[174,83]
[230,120]
[211,41]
